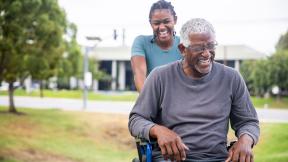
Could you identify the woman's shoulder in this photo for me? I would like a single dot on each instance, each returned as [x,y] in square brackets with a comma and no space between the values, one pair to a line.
[144,38]
[177,38]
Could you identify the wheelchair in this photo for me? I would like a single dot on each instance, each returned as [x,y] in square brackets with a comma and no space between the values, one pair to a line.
[144,149]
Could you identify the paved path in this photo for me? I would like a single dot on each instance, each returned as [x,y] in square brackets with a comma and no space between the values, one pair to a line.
[69,104]
[265,115]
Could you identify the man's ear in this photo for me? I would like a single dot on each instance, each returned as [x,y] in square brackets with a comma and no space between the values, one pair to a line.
[181,48]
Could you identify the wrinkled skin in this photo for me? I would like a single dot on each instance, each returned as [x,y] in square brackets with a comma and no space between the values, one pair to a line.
[171,145]
[241,151]
[198,64]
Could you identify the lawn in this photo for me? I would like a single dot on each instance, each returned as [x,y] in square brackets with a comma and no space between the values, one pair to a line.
[57,136]
[270,102]
[132,96]
[60,136]
[77,94]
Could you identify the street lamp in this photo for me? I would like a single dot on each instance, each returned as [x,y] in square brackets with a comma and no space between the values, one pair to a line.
[86,74]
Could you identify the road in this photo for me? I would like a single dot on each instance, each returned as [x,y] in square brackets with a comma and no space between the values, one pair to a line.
[265,115]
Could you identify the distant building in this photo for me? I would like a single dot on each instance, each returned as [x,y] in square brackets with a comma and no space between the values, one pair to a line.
[116,62]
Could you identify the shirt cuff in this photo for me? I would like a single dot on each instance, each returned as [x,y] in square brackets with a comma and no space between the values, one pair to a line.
[147,131]
[254,143]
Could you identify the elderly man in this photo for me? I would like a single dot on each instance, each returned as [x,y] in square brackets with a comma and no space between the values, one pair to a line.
[186,105]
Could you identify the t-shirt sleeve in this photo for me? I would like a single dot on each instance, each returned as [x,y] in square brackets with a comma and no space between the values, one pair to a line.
[138,46]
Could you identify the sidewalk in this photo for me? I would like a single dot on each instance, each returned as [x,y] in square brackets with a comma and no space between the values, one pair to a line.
[70,104]
[265,115]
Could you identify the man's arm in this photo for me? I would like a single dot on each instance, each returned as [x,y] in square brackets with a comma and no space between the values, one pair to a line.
[139,68]
[243,116]
[244,121]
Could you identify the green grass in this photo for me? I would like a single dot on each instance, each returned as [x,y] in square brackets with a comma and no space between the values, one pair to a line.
[77,94]
[54,135]
[59,136]
[271,102]
[132,96]
[273,144]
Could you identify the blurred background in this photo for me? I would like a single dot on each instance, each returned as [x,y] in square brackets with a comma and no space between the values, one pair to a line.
[66,83]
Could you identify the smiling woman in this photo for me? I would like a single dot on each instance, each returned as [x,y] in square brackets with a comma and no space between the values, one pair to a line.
[158,49]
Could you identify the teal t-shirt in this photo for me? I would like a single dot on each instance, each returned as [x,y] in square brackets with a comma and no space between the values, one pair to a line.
[154,55]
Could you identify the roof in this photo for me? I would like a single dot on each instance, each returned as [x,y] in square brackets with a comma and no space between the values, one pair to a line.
[230,52]
[121,53]
[237,52]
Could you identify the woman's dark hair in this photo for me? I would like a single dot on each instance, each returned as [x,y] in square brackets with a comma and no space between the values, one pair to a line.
[162,4]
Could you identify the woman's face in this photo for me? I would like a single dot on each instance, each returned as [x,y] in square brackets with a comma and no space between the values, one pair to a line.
[162,23]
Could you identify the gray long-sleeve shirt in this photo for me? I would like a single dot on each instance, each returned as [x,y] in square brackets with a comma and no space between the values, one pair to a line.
[198,110]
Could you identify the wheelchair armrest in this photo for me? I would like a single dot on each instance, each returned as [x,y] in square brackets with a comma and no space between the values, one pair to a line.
[144,149]
[231,144]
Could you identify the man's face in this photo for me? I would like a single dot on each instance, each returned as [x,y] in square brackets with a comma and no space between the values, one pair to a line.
[200,54]
[162,23]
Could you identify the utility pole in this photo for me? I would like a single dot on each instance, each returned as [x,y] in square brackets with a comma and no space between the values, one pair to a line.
[225,55]
[123,37]
[86,74]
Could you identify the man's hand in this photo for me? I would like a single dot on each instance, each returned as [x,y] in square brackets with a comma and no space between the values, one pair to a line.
[170,143]
[241,151]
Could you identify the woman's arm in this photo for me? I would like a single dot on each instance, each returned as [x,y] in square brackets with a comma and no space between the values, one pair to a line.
[139,68]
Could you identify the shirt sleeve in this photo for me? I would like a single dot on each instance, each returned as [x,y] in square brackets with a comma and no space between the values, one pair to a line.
[144,112]
[138,46]
[243,115]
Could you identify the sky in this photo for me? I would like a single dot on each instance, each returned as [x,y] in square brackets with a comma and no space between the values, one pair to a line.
[256,23]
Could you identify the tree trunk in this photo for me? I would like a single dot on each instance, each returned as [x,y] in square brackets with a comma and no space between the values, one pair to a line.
[41,89]
[12,108]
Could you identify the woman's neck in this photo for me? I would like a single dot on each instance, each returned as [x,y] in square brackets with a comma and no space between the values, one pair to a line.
[165,45]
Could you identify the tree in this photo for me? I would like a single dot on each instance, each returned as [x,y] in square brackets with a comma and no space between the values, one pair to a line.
[279,64]
[97,74]
[261,77]
[246,71]
[30,40]
[257,76]
[48,42]
[282,42]
[279,69]
[71,63]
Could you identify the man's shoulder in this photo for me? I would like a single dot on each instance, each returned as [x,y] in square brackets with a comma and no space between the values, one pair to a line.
[229,72]
[167,68]
[224,67]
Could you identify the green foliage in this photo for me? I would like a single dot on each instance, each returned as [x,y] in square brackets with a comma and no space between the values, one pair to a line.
[31,40]
[262,75]
[282,42]
[279,69]
[72,54]
[257,76]
[96,73]
[246,72]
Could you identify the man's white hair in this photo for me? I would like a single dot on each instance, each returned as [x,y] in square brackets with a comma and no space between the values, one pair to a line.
[196,25]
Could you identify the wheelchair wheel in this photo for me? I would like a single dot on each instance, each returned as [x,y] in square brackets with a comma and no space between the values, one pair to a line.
[143,158]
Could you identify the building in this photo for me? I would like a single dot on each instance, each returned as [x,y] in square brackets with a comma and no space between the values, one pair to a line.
[116,62]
